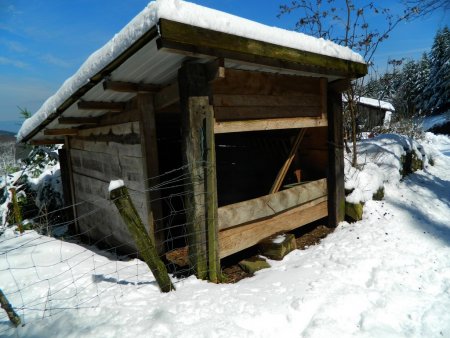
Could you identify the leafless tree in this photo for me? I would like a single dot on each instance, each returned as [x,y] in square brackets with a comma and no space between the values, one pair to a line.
[349,23]
[425,7]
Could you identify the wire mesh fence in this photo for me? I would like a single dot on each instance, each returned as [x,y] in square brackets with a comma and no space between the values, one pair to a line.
[48,270]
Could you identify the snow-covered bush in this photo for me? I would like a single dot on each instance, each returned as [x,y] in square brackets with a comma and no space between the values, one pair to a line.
[38,190]
[382,159]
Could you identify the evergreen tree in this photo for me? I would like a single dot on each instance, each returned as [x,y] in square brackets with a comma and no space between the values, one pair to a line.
[437,91]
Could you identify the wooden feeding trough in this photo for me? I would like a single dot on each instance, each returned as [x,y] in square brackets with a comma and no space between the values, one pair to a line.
[256,127]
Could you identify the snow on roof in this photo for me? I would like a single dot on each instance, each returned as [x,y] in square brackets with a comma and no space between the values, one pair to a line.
[373,102]
[376,103]
[187,13]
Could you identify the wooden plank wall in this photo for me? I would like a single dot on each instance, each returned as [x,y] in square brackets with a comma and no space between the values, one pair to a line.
[247,100]
[99,155]
[269,205]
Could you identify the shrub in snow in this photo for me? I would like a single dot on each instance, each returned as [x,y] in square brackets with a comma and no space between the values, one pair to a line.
[383,159]
[38,190]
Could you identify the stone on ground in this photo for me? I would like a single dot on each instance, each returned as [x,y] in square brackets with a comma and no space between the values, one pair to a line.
[253,264]
[277,246]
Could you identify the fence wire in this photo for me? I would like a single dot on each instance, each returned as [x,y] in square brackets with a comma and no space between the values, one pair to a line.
[46,271]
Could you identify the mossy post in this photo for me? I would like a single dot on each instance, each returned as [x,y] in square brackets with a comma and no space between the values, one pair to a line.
[12,315]
[144,243]
[194,91]
[211,193]
[16,210]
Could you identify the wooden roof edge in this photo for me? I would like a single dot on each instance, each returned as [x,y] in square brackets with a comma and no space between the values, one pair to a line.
[150,35]
[196,40]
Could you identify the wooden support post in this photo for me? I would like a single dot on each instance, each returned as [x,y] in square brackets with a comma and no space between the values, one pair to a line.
[16,210]
[73,226]
[336,192]
[67,193]
[284,169]
[151,167]
[193,82]
[211,194]
[12,315]
[144,243]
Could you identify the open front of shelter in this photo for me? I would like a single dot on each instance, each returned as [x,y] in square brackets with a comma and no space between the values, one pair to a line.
[220,138]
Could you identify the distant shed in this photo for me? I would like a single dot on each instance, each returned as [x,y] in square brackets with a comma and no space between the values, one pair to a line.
[257,126]
[373,113]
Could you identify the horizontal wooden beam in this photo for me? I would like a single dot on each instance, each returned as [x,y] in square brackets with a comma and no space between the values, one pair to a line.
[223,100]
[264,112]
[238,238]
[47,141]
[98,105]
[79,120]
[269,205]
[246,82]
[269,124]
[187,38]
[61,132]
[129,87]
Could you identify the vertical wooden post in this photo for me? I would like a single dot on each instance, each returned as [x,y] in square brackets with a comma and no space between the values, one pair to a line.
[211,194]
[16,210]
[73,226]
[194,99]
[65,179]
[151,166]
[336,192]
[144,243]
[12,315]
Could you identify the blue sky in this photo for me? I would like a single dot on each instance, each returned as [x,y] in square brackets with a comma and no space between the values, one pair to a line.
[43,42]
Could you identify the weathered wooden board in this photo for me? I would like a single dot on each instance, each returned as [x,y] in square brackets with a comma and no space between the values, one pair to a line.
[194,102]
[306,100]
[101,224]
[94,191]
[269,205]
[129,87]
[222,127]
[108,167]
[97,105]
[336,192]
[187,38]
[61,132]
[116,129]
[250,95]
[262,112]
[113,148]
[235,239]
[112,118]
[242,82]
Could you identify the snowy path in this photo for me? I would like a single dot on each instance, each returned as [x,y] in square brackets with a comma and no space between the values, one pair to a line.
[385,276]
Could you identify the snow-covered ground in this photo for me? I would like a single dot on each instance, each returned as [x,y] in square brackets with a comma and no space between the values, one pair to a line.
[385,276]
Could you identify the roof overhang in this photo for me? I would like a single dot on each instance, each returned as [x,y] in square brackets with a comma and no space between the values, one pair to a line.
[153,60]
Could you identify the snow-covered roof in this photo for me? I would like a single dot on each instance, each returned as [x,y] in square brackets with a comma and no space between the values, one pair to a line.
[373,103]
[187,13]
[376,103]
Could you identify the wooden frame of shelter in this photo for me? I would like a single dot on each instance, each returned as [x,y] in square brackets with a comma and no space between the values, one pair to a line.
[216,92]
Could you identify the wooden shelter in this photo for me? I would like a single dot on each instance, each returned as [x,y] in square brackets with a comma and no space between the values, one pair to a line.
[373,113]
[257,127]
